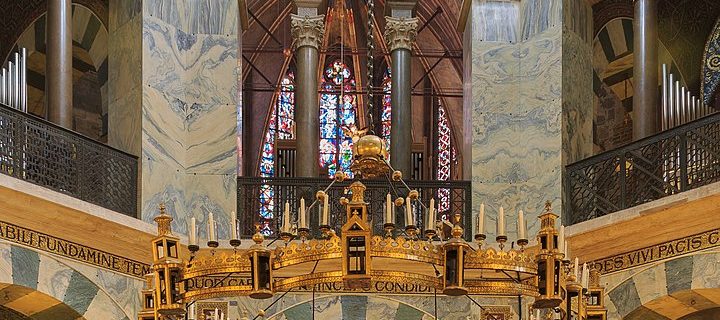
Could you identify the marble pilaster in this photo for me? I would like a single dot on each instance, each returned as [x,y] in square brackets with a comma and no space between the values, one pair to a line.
[531,105]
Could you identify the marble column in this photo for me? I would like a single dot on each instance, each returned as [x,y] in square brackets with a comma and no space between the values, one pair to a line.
[307,33]
[645,70]
[400,35]
[58,63]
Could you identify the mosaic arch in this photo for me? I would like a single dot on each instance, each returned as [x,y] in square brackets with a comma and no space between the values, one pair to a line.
[37,286]
[90,69]
[613,82]
[668,290]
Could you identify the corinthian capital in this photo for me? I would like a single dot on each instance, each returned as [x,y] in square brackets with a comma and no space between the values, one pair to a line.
[307,30]
[400,32]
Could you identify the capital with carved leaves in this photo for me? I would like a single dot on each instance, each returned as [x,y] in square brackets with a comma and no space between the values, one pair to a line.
[400,33]
[307,30]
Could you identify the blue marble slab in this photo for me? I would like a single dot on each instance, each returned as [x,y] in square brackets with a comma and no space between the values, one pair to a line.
[25,267]
[80,293]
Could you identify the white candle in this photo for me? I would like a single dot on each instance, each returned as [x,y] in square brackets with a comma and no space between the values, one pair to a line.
[566,251]
[192,233]
[480,226]
[211,228]
[521,225]
[233,226]
[286,218]
[326,211]
[561,239]
[577,268]
[302,213]
[585,275]
[217,315]
[388,209]
[431,216]
[501,222]
[537,314]
[408,213]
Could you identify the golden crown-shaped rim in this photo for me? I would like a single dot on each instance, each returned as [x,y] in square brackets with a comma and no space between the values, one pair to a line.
[500,288]
[511,260]
[309,251]
[400,248]
[224,262]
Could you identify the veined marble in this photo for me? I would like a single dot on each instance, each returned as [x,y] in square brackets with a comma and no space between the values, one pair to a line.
[531,109]
[189,123]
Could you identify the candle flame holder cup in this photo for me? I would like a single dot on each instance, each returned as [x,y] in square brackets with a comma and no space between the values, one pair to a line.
[480,238]
[286,237]
[304,233]
[193,248]
[213,244]
[430,234]
[411,232]
[501,241]
[235,242]
[522,243]
[389,227]
[325,229]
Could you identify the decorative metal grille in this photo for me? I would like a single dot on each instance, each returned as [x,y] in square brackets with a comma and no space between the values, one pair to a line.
[45,154]
[676,160]
[292,189]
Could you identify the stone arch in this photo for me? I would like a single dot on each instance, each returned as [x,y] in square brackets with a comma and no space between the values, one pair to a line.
[90,69]
[41,287]
[351,307]
[668,290]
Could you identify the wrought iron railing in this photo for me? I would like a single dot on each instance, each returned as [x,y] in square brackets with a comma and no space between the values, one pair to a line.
[677,160]
[268,195]
[45,154]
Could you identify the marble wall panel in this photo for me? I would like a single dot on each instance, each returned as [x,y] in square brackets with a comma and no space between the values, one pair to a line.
[212,16]
[5,263]
[539,15]
[517,128]
[53,277]
[211,69]
[495,20]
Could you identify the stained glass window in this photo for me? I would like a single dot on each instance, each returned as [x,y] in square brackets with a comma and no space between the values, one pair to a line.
[386,109]
[280,126]
[444,160]
[337,111]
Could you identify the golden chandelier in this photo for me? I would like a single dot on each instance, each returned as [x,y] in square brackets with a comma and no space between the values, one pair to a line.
[357,261]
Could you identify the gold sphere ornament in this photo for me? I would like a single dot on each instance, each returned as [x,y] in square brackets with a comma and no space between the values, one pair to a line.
[320,195]
[397,175]
[344,201]
[413,194]
[340,176]
[369,145]
[399,202]
[258,238]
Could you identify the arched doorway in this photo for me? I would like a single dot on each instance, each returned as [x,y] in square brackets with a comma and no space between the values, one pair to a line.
[21,303]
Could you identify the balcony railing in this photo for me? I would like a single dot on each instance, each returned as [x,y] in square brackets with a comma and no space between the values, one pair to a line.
[258,196]
[677,160]
[45,154]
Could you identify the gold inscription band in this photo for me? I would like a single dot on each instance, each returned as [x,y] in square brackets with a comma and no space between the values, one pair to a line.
[665,250]
[72,250]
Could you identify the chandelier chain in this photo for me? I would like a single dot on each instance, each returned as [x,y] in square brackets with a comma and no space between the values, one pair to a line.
[370,65]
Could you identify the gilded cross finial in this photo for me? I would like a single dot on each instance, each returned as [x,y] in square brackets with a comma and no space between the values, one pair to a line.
[548,206]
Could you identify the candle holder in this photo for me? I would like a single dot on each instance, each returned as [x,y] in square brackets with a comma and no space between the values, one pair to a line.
[325,229]
[522,243]
[480,238]
[193,248]
[389,227]
[213,244]
[235,242]
[430,234]
[501,241]
[286,237]
[304,233]
[411,232]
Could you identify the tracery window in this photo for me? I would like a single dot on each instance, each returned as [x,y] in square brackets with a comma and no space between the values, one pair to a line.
[280,126]
[385,119]
[337,111]
[445,158]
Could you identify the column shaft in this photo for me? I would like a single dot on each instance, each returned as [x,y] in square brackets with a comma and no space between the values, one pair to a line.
[401,113]
[307,113]
[58,63]
[645,70]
